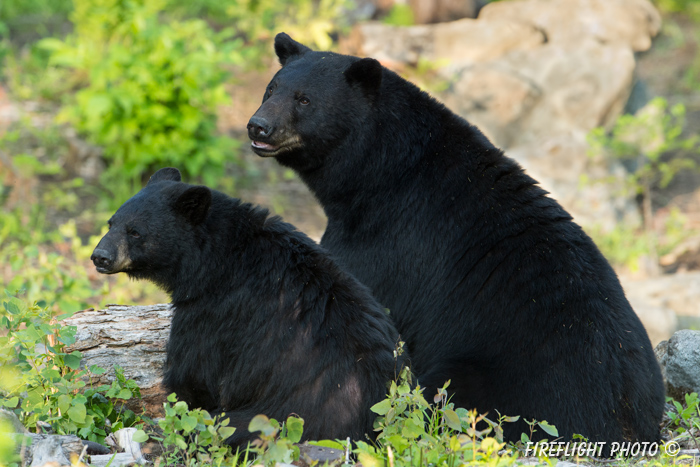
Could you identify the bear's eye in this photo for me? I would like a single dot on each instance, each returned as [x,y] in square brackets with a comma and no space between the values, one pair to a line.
[304,100]
[133,233]
[269,91]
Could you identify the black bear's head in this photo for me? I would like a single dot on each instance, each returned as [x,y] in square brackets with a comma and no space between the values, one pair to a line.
[151,231]
[312,104]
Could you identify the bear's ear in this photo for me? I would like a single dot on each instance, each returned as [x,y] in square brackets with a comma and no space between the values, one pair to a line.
[167,173]
[194,204]
[287,48]
[366,72]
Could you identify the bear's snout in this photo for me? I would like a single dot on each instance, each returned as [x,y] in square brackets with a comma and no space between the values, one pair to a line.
[102,259]
[258,127]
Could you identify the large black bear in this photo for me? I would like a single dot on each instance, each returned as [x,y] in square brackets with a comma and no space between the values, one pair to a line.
[264,322]
[489,281]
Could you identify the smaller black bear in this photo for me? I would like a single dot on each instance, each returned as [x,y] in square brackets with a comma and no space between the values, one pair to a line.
[264,322]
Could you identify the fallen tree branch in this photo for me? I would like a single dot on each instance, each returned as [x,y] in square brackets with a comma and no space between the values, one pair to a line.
[133,337]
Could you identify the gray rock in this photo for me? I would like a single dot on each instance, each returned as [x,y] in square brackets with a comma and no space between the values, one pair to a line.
[679,358]
[48,450]
[316,455]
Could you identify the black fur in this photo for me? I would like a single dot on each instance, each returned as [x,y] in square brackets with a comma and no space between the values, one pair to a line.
[264,322]
[489,281]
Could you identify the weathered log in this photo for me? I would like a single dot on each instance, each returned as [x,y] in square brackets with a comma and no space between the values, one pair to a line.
[39,449]
[133,337]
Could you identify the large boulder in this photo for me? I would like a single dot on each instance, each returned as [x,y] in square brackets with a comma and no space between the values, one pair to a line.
[630,23]
[679,358]
[452,45]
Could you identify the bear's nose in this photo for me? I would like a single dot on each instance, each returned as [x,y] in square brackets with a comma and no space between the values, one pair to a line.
[258,127]
[102,259]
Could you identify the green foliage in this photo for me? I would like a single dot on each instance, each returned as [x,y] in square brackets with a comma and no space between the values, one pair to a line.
[622,246]
[191,436]
[29,76]
[651,146]
[313,22]
[276,444]
[152,89]
[42,273]
[626,245]
[310,22]
[47,383]
[646,141]
[686,420]
[415,433]
[33,17]
[691,8]
[400,14]
[7,445]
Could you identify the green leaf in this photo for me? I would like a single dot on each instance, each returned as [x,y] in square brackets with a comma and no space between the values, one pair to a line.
[551,430]
[180,442]
[452,420]
[295,428]
[262,424]
[369,460]
[226,431]
[412,429]
[189,423]
[140,436]
[72,360]
[64,403]
[381,408]
[327,443]
[96,370]
[11,403]
[124,394]
[77,413]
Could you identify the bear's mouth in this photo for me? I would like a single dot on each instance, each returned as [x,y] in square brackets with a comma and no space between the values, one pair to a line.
[264,149]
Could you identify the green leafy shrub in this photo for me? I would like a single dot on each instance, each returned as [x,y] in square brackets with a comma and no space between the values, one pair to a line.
[27,18]
[651,145]
[191,437]
[47,383]
[276,443]
[152,89]
[686,419]
[414,433]
[400,14]
[310,22]
[688,7]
